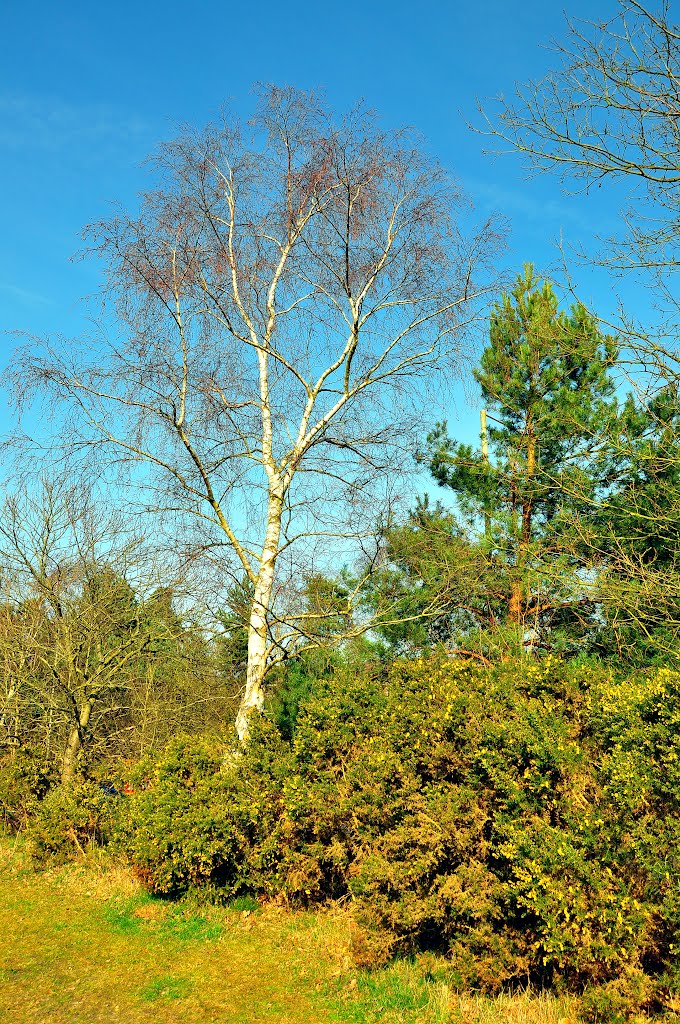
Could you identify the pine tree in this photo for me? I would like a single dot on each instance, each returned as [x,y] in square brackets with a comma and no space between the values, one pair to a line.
[634,533]
[546,381]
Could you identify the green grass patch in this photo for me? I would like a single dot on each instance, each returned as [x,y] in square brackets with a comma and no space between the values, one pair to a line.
[192,928]
[167,987]
[121,916]
[241,903]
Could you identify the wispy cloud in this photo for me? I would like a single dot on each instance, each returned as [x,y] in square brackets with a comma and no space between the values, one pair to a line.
[24,295]
[49,123]
[530,205]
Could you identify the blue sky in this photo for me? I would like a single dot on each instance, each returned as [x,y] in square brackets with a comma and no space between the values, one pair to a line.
[88,90]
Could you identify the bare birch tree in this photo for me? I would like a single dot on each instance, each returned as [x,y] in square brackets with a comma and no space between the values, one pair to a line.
[282,299]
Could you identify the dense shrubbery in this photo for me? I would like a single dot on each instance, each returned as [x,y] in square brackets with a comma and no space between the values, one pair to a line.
[72,819]
[523,821]
[24,781]
[195,822]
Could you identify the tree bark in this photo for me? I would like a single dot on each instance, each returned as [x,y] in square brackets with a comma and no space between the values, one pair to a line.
[515,603]
[75,742]
[253,697]
[516,606]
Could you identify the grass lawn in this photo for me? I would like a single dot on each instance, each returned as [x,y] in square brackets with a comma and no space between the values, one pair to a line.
[85,944]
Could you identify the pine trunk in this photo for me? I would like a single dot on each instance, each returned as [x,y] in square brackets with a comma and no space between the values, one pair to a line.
[517,606]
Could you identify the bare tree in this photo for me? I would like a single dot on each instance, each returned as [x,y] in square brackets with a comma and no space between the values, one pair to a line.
[611,112]
[74,633]
[281,300]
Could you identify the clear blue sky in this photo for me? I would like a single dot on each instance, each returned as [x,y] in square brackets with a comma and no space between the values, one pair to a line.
[87,90]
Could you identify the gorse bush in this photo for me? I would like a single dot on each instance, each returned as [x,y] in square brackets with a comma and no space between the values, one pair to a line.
[71,820]
[196,821]
[24,780]
[522,820]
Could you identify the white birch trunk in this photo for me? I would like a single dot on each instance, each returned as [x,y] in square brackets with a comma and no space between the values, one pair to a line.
[253,697]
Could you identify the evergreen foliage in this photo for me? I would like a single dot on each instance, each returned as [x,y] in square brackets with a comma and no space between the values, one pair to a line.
[546,379]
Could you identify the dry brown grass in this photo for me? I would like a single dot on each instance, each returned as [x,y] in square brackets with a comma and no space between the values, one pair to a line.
[520,1009]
